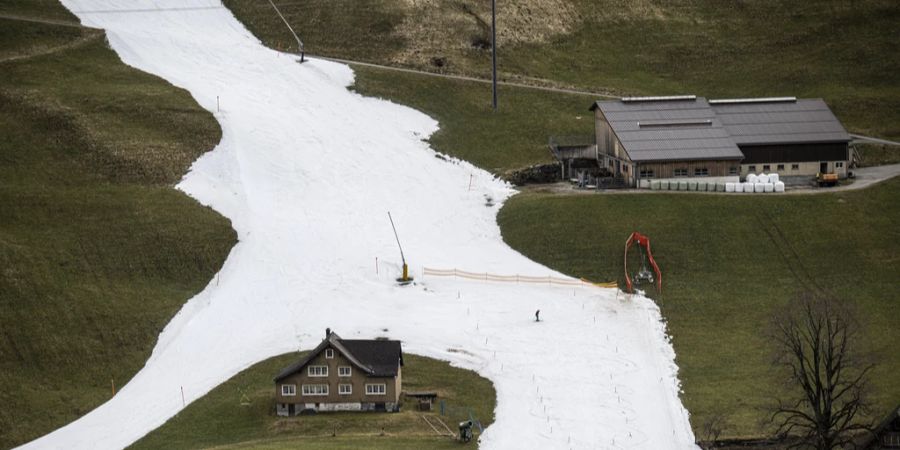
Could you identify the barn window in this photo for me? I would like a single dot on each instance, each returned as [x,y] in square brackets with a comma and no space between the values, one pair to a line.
[781,167]
[329,353]
[344,371]
[317,371]
[751,169]
[647,173]
[766,168]
[288,389]
[839,164]
[795,166]
[681,172]
[733,170]
[345,389]
[701,172]
[315,389]
[375,389]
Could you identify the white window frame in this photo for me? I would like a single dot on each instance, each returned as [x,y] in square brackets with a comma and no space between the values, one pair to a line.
[701,171]
[329,353]
[680,172]
[341,371]
[647,173]
[839,164]
[315,390]
[348,387]
[320,372]
[371,391]
[734,170]
[292,391]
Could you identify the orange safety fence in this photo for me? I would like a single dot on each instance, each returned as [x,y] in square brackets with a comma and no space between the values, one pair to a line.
[484,276]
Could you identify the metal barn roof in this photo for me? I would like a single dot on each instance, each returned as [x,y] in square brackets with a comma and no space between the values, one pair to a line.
[693,128]
[669,129]
[781,122]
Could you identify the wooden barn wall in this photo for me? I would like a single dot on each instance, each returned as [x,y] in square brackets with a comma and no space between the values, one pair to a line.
[667,169]
[787,153]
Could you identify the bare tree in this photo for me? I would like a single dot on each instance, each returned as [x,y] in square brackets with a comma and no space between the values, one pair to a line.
[815,339]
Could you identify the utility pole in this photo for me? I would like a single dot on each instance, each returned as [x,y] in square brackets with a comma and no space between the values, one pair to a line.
[494,51]
[299,44]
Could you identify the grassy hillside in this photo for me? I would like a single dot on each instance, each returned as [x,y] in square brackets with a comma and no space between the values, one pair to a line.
[219,420]
[843,51]
[97,250]
[510,138]
[728,263]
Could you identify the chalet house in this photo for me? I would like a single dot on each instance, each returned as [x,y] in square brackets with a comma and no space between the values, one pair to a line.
[342,375]
[639,139]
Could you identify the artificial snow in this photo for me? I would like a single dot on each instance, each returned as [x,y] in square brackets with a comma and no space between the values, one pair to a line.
[307,171]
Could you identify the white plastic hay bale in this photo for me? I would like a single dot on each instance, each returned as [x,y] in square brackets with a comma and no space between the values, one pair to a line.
[654,185]
[720,187]
[762,178]
[748,188]
[751,178]
[692,185]
[645,184]
[664,185]
[701,186]
[759,187]
[779,186]
[773,178]
[770,187]
[682,185]
[729,187]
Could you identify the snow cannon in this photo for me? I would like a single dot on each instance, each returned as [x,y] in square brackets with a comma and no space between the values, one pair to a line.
[465,431]
[405,278]
[644,274]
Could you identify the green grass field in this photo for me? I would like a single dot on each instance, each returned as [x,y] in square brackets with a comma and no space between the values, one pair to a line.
[220,420]
[513,137]
[97,249]
[728,263]
[843,51]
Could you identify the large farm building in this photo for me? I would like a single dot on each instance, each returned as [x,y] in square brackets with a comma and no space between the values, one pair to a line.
[640,139]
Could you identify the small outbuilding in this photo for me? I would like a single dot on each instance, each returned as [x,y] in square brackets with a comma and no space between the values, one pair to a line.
[342,375]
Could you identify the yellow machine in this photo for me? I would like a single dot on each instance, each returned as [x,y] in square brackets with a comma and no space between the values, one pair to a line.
[826,179]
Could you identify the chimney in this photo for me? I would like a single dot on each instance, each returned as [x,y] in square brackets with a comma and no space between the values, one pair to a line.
[327,333]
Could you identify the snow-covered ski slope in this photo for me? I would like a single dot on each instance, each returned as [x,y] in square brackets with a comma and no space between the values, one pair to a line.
[307,171]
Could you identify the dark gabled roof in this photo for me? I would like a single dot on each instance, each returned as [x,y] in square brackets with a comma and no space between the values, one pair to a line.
[669,129]
[693,128]
[780,121]
[377,357]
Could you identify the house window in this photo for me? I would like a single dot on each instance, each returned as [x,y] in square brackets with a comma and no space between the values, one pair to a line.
[375,389]
[625,169]
[839,164]
[288,389]
[766,167]
[733,170]
[647,173]
[317,371]
[781,167]
[701,172]
[345,389]
[751,168]
[681,172]
[795,166]
[329,353]
[344,371]
[315,389]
